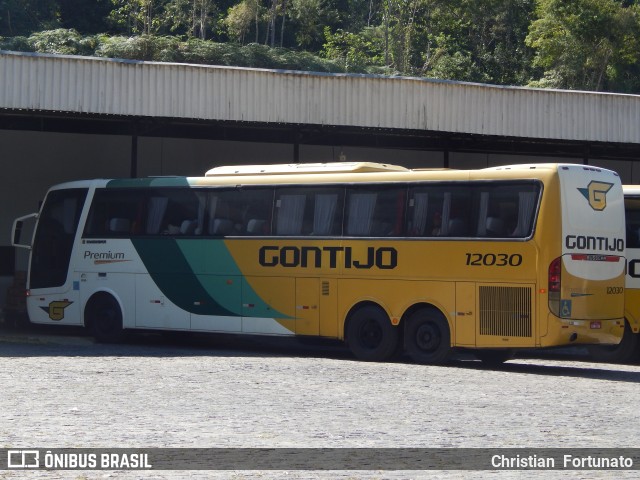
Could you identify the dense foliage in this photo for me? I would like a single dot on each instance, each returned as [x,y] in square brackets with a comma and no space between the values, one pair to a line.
[575,44]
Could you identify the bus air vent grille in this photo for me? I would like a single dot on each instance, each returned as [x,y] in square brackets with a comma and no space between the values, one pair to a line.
[325,288]
[505,311]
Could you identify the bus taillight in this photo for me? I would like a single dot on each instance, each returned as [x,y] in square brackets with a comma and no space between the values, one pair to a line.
[555,274]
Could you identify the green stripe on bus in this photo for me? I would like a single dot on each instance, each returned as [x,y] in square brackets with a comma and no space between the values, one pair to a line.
[220,267]
[176,268]
[173,275]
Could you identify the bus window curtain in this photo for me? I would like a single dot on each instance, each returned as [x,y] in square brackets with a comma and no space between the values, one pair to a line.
[202,205]
[157,208]
[213,203]
[324,213]
[526,206]
[482,214]
[420,206]
[361,207]
[446,214]
[290,214]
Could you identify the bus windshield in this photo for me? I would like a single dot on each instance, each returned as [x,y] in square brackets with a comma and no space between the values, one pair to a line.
[54,237]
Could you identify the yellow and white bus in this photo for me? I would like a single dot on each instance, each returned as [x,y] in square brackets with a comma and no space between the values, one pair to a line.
[380,256]
[628,350]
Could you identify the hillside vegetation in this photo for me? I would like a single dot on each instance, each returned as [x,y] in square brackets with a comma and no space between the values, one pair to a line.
[578,44]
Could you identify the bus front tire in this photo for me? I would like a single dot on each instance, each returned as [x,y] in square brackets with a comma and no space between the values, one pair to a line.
[104,317]
[427,337]
[370,335]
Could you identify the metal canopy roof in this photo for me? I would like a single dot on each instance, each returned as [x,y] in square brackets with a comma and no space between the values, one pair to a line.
[87,94]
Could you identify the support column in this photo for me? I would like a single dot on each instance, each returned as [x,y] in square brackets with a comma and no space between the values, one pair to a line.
[134,149]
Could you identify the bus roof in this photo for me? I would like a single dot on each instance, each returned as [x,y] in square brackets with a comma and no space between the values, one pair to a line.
[330,172]
[294,168]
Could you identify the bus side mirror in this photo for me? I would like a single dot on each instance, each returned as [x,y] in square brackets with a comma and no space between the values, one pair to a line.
[16,231]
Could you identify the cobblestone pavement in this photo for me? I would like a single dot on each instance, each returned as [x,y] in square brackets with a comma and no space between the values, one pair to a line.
[64,391]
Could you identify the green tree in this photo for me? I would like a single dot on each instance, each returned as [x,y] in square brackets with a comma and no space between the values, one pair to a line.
[308,17]
[137,16]
[586,44]
[85,16]
[478,40]
[355,53]
[240,19]
[22,17]
[204,20]
[178,18]
[192,18]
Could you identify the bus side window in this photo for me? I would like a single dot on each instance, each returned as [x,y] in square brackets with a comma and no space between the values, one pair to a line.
[388,217]
[495,227]
[258,205]
[456,211]
[157,206]
[179,212]
[219,215]
[506,210]
[457,227]
[361,206]
[426,206]
[632,216]
[375,211]
[527,201]
[116,213]
[119,225]
[327,209]
[290,214]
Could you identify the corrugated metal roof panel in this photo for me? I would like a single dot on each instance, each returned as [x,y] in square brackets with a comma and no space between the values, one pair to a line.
[120,87]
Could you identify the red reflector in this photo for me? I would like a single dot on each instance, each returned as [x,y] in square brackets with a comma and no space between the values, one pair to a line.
[595,325]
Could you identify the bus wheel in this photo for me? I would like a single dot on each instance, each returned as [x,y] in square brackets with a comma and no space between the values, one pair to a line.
[370,335]
[494,357]
[627,351]
[426,336]
[104,317]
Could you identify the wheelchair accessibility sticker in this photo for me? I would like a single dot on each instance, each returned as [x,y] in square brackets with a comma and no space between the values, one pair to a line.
[565,308]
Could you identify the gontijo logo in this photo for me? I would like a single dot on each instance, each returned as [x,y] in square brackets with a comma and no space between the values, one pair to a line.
[596,194]
[56,309]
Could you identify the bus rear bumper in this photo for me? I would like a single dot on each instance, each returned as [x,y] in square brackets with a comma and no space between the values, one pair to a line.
[582,332]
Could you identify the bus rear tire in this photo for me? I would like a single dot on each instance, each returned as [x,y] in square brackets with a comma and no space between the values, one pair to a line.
[627,351]
[494,357]
[104,318]
[427,338]
[370,335]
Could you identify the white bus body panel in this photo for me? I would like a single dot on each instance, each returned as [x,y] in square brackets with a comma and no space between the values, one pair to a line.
[592,220]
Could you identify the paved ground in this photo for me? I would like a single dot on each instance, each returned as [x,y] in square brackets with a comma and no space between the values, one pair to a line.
[62,390]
